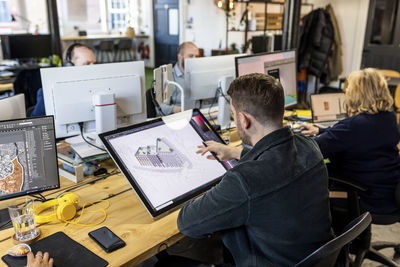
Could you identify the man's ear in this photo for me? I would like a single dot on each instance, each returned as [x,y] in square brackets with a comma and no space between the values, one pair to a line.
[245,120]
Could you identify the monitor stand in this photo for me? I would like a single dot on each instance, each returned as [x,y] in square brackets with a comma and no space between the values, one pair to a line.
[4,218]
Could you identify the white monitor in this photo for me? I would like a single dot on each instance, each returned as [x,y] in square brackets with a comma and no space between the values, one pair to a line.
[13,107]
[281,65]
[203,75]
[68,93]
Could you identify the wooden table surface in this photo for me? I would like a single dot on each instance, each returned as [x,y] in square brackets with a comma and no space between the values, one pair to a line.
[126,217]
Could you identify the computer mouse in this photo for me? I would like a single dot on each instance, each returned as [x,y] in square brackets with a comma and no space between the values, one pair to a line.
[298,130]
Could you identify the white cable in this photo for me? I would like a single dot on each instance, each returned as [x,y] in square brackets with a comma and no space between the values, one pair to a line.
[182,92]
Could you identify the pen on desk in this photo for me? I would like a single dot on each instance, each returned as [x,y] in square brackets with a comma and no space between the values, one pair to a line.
[90,138]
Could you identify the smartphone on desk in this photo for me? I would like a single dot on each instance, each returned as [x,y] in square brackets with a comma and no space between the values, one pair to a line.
[106,239]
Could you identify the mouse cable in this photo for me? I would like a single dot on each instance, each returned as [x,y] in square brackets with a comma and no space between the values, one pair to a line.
[88,182]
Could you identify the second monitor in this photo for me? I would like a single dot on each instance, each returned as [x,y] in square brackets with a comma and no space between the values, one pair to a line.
[281,65]
[204,75]
[69,94]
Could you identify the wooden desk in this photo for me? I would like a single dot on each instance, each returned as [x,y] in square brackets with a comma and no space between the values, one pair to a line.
[126,217]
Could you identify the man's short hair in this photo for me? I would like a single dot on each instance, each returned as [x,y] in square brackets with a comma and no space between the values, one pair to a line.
[69,53]
[183,45]
[259,95]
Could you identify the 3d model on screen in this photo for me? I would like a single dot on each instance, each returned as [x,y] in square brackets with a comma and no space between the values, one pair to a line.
[162,155]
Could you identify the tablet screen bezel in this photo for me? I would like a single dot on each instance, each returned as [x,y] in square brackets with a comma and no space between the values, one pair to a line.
[181,199]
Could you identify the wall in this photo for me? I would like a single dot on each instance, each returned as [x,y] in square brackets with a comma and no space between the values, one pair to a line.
[28,15]
[352,19]
[207,29]
[85,14]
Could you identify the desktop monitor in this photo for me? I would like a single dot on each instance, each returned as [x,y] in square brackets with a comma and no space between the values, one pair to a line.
[12,107]
[281,65]
[26,46]
[204,75]
[28,157]
[68,93]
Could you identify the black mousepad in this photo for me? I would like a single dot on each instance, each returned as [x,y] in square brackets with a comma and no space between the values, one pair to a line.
[65,252]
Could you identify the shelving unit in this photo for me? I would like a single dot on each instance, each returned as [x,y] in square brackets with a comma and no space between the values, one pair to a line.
[271,21]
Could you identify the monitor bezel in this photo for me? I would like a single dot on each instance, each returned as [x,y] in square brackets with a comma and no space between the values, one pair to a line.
[187,196]
[271,53]
[39,190]
[264,54]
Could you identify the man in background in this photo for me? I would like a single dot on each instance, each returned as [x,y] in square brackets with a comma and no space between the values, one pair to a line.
[75,55]
[173,105]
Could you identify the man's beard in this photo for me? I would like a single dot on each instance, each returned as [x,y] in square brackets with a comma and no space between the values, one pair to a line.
[245,137]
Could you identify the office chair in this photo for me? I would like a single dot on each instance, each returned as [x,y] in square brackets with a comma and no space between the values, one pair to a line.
[124,49]
[363,248]
[150,106]
[104,51]
[335,252]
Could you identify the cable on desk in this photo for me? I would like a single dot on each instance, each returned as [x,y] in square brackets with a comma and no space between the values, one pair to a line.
[39,197]
[84,139]
[89,182]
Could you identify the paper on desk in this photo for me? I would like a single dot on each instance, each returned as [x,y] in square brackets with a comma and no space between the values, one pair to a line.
[82,148]
[303,113]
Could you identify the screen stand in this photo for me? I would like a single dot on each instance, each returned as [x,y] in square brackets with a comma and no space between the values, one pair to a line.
[224,110]
[105,110]
[4,218]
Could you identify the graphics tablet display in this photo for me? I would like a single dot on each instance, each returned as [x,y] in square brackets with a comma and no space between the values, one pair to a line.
[159,160]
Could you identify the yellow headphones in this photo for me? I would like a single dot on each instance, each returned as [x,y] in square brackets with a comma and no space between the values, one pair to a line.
[65,211]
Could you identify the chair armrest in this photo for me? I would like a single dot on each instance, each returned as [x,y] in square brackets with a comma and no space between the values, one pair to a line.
[349,184]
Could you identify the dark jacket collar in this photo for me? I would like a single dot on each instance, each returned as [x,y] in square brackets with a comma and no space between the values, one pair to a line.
[268,141]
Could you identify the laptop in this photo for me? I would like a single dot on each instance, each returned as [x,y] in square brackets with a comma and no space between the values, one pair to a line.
[159,159]
[328,109]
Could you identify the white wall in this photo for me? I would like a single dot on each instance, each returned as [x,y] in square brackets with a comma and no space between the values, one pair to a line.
[84,14]
[208,27]
[28,15]
[352,19]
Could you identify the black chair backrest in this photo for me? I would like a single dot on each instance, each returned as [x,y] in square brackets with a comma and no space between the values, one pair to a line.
[151,108]
[327,255]
[106,46]
[125,44]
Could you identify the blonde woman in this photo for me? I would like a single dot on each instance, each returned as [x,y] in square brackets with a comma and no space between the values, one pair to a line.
[363,147]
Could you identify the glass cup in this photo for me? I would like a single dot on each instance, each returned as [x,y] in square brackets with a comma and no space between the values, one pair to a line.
[23,219]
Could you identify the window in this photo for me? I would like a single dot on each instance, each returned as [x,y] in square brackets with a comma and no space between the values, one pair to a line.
[118,10]
[5,15]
